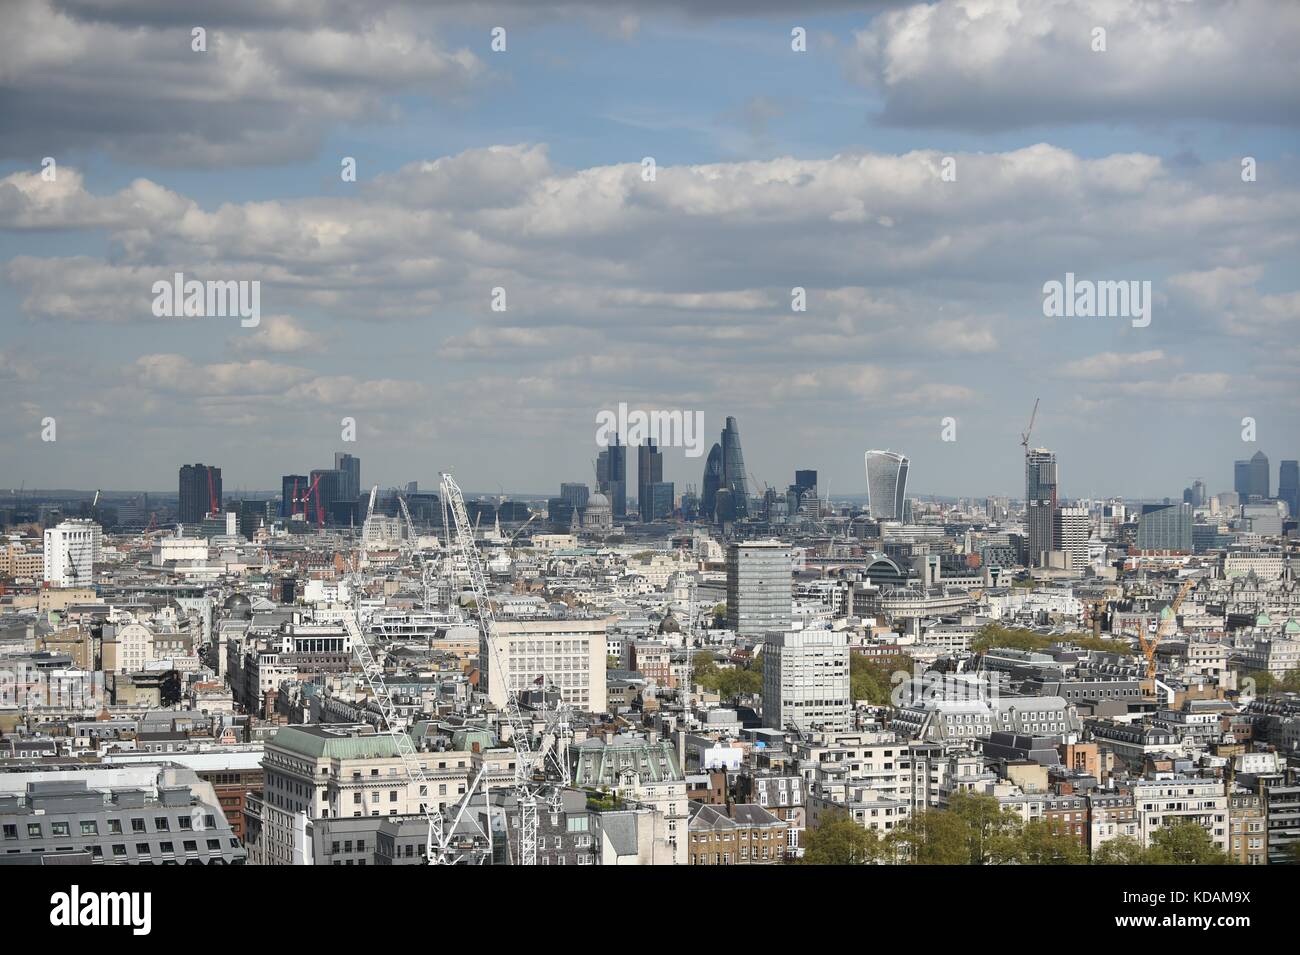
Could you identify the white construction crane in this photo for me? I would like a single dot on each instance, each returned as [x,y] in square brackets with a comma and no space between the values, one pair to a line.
[410,526]
[526,759]
[438,849]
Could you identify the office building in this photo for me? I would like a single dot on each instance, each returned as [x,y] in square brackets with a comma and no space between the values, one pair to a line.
[292,489]
[712,484]
[568,654]
[649,471]
[1165,529]
[661,494]
[886,485]
[574,494]
[611,475]
[1072,529]
[733,468]
[1040,505]
[1288,486]
[349,468]
[70,551]
[200,492]
[1250,478]
[759,588]
[327,493]
[137,815]
[806,681]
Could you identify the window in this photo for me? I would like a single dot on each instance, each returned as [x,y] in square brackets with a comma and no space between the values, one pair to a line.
[185,822]
[115,827]
[214,845]
[89,827]
[33,830]
[142,848]
[165,847]
[191,845]
[162,824]
[60,829]
[119,849]
[137,825]
[11,832]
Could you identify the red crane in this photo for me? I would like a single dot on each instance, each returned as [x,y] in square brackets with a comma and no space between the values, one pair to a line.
[213,505]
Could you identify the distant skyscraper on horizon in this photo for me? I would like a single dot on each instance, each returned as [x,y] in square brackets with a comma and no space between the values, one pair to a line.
[611,475]
[725,494]
[350,469]
[886,484]
[197,493]
[649,472]
[1250,479]
[1040,505]
[733,468]
[1288,486]
[712,483]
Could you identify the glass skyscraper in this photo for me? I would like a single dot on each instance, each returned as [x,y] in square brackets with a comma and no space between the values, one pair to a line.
[1250,478]
[649,472]
[1288,486]
[1165,528]
[886,484]
[1040,504]
[725,492]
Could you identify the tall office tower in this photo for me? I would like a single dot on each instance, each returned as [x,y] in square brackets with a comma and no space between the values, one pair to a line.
[1199,493]
[1040,505]
[197,493]
[712,484]
[1073,528]
[1164,529]
[574,494]
[328,485]
[886,485]
[611,475]
[350,468]
[660,494]
[760,588]
[649,471]
[805,480]
[1250,478]
[806,681]
[1288,486]
[70,548]
[292,489]
[733,468]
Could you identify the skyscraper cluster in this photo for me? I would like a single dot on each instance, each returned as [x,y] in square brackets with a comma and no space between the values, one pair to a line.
[725,494]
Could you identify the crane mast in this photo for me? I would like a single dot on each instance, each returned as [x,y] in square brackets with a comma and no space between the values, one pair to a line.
[525,758]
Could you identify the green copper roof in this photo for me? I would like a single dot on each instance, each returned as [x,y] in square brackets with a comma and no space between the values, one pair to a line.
[315,744]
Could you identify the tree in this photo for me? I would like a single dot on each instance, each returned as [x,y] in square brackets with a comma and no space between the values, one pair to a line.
[1039,843]
[991,829]
[932,837]
[872,680]
[841,841]
[1184,843]
[1121,850]
[994,635]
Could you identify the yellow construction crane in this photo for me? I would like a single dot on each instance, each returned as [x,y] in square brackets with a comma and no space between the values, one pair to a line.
[1169,621]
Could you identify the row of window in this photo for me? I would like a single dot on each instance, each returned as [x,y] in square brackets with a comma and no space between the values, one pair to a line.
[60,829]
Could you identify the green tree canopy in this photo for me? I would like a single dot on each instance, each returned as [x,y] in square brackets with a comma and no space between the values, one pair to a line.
[841,841]
[1183,843]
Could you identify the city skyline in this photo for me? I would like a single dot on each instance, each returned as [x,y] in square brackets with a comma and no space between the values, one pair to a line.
[825,170]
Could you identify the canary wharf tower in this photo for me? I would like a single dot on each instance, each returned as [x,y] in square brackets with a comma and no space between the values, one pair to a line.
[886,484]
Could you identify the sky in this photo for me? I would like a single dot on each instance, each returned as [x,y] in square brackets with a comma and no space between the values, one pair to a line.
[920,170]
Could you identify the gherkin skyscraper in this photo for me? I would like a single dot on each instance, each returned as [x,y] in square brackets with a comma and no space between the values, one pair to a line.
[733,468]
